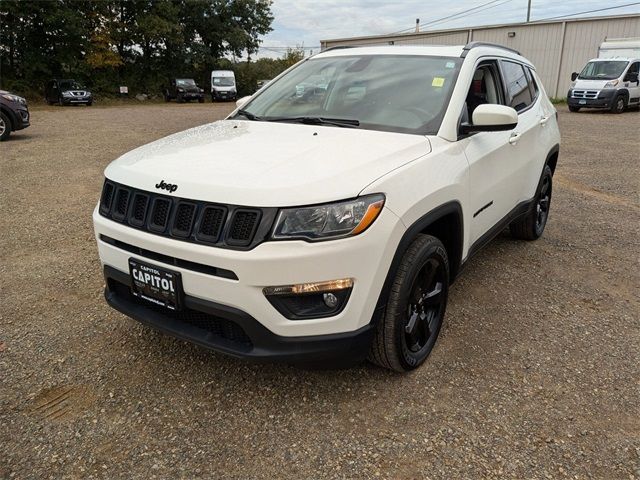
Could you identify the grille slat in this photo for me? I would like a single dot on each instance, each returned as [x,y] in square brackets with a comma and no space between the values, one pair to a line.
[160,214]
[107,197]
[243,227]
[225,226]
[121,204]
[139,209]
[211,223]
[183,221]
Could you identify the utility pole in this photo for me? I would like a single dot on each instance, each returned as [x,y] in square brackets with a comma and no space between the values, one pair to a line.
[529,11]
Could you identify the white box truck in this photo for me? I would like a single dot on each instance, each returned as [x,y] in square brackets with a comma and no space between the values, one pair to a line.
[223,85]
[609,81]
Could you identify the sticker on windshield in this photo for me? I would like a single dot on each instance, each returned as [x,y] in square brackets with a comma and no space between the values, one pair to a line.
[437,82]
[450,64]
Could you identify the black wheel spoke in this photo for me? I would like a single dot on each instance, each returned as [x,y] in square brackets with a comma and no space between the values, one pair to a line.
[433,297]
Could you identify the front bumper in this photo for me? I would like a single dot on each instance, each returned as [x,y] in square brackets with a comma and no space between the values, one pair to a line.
[234,332]
[223,95]
[21,118]
[603,100]
[77,100]
[365,258]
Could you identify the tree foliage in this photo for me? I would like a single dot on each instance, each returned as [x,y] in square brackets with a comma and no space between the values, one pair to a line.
[138,43]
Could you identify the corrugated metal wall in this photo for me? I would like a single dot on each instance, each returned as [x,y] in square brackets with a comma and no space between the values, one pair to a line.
[542,43]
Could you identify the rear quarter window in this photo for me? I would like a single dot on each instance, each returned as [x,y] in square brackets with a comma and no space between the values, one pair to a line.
[517,85]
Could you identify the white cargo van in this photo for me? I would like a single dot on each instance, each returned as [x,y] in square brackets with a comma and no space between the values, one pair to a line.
[609,81]
[223,85]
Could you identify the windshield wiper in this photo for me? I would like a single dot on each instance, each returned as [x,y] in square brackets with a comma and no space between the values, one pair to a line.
[337,122]
[248,115]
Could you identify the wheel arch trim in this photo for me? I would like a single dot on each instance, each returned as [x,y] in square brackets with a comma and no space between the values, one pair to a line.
[428,219]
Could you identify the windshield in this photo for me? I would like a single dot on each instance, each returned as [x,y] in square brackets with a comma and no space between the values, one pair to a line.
[70,85]
[185,82]
[603,70]
[396,93]
[223,81]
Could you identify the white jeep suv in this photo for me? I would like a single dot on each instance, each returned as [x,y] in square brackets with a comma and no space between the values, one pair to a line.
[323,221]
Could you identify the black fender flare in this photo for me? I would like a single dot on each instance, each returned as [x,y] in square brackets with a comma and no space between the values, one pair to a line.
[555,151]
[453,207]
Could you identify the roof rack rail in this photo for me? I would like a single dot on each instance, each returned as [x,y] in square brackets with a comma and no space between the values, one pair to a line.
[338,47]
[471,45]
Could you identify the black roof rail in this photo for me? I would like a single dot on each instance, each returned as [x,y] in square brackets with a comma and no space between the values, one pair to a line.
[338,47]
[471,45]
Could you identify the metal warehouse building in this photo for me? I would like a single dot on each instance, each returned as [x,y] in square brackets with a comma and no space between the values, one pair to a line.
[556,48]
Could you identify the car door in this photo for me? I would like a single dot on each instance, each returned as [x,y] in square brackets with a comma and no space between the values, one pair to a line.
[633,83]
[495,158]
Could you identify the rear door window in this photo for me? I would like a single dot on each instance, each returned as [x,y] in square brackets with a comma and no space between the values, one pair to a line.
[517,85]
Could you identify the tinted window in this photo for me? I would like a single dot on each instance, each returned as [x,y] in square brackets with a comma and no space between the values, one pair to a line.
[397,93]
[516,85]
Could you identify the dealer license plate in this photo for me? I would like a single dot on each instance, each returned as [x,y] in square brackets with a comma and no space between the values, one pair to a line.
[156,285]
[582,102]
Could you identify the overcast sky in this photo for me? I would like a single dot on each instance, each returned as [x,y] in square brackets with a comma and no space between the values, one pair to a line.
[306,22]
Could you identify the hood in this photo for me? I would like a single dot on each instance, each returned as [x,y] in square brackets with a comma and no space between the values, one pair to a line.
[265,164]
[190,88]
[590,84]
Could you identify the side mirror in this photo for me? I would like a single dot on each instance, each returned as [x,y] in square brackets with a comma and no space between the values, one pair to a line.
[489,117]
[631,77]
[574,75]
[241,102]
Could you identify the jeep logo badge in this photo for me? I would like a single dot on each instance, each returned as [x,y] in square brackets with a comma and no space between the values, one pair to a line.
[166,186]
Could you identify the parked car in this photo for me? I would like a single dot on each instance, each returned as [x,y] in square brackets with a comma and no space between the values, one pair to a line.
[223,85]
[67,92]
[329,231]
[609,83]
[183,90]
[262,83]
[14,114]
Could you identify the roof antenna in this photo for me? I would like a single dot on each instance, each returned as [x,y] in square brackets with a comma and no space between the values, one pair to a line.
[417,25]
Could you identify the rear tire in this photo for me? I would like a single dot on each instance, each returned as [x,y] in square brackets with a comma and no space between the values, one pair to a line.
[619,104]
[409,328]
[574,109]
[201,100]
[5,127]
[531,226]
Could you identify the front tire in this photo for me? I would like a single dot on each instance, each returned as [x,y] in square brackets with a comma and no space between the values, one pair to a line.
[5,127]
[574,109]
[201,100]
[531,226]
[619,104]
[409,328]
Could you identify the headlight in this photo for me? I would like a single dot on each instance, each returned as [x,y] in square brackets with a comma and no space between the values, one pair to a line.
[14,98]
[612,83]
[180,89]
[67,94]
[333,220]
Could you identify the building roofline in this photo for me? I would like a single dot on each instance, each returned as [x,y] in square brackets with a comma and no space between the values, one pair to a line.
[478,27]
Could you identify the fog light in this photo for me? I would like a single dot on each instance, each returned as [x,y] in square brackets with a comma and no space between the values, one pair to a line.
[310,300]
[330,300]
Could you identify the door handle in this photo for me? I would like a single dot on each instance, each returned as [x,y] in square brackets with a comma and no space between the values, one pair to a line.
[513,139]
[544,120]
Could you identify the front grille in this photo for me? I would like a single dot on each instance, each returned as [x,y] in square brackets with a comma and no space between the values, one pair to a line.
[209,324]
[183,221]
[243,227]
[585,94]
[226,226]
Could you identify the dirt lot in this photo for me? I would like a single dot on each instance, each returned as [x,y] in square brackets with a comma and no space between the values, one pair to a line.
[536,374]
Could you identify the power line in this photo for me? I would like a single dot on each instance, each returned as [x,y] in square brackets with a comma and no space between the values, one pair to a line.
[449,16]
[462,16]
[587,11]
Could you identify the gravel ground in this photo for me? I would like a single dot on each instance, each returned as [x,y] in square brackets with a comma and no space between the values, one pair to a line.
[535,375]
